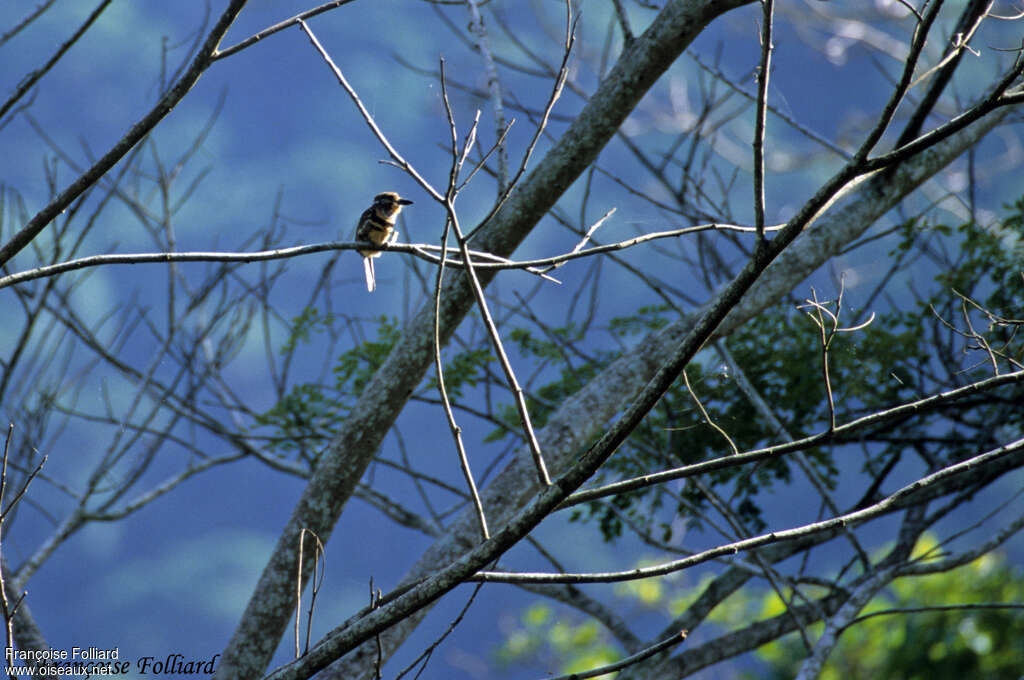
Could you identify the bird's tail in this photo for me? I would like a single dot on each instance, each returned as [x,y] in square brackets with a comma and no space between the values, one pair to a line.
[371,280]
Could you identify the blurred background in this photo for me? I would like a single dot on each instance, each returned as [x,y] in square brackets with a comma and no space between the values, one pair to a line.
[269,151]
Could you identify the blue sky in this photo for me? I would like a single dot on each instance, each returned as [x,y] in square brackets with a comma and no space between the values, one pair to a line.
[174,576]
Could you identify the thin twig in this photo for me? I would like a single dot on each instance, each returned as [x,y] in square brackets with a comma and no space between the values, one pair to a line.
[761,406]
[424,657]
[620,14]
[476,27]
[21,25]
[438,365]
[781,115]
[885,117]
[492,330]
[319,560]
[707,418]
[769,572]
[960,44]
[762,112]
[506,365]
[270,30]
[4,603]
[981,606]
[368,118]
[586,237]
[8,610]
[33,77]
[827,331]
[826,340]
[667,643]
[556,93]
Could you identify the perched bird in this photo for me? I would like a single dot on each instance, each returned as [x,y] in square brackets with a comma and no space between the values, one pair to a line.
[377,225]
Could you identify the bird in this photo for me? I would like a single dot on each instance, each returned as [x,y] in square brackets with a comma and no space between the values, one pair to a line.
[377,225]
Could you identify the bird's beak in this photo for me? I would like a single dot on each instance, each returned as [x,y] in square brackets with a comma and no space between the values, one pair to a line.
[404,201]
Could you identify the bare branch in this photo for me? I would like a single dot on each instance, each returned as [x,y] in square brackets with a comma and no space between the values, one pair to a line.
[270,30]
[764,71]
[477,28]
[665,644]
[138,131]
[34,77]
[829,526]
[853,426]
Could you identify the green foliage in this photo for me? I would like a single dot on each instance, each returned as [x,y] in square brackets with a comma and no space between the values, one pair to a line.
[301,422]
[465,369]
[303,326]
[891,361]
[542,401]
[560,646]
[903,354]
[781,355]
[990,259]
[646,319]
[355,367]
[574,643]
[933,645]
[299,419]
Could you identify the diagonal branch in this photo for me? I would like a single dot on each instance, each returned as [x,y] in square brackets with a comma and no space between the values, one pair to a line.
[167,102]
[280,26]
[32,78]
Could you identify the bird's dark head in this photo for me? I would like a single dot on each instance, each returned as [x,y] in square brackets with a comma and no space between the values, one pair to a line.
[389,200]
